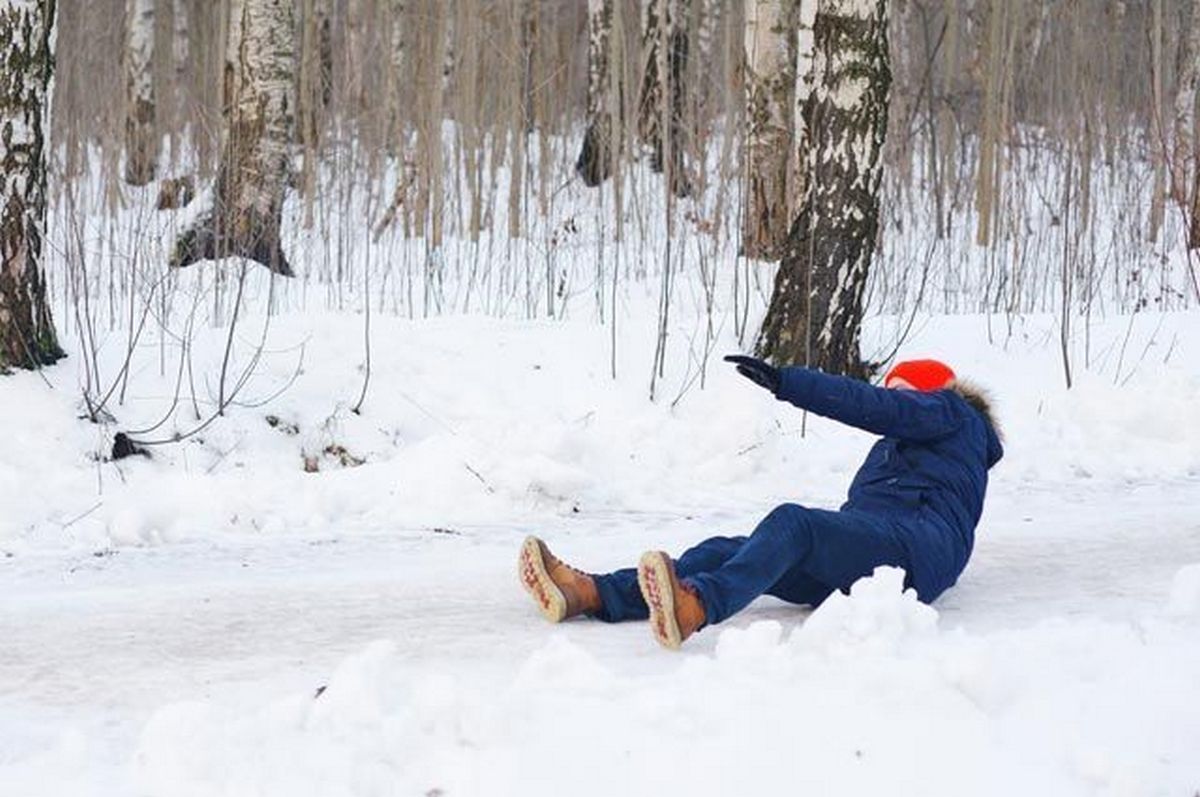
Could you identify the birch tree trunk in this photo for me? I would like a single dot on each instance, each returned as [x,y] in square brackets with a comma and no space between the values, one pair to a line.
[254,167]
[315,90]
[806,13]
[650,96]
[181,72]
[434,64]
[27,337]
[395,79]
[1185,103]
[1158,136]
[595,157]
[430,141]
[180,44]
[816,308]
[985,184]
[664,63]
[523,19]
[141,137]
[708,42]
[769,86]
[1187,143]
[354,21]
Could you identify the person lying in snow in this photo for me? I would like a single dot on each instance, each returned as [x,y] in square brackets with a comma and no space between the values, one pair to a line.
[914,504]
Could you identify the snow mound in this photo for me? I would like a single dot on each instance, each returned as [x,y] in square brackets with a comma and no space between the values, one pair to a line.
[869,695]
[562,666]
[878,616]
[368,732]
[1185,593]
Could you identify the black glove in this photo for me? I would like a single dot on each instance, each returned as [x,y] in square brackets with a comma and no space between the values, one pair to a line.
[760,373]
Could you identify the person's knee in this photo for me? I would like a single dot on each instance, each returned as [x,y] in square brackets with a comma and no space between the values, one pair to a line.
[708,555]
[789,516]
[790,521]
[723,542]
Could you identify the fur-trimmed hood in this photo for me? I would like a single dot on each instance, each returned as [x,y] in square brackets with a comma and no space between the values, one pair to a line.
[981,401]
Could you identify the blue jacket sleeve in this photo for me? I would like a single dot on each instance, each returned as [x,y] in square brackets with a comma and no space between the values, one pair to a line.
[904,414]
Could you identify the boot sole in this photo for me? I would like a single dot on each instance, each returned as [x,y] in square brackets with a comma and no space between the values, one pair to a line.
[531,569]
[654,580]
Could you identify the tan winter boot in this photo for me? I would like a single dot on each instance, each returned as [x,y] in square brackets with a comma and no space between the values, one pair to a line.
[559,590]
[676,611]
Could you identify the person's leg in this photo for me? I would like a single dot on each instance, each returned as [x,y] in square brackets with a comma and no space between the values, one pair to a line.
[708,555]
[797,586]
[831,548]
[559,590]
[619,592]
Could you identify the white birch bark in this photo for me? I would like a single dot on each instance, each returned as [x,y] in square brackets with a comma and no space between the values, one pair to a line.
[141,137]
[852,78]
[816,307]
[769,87]
[181,70]
[660,100]
[599,26]
[27,337]
[253,176]
[261,61]
[806,13]
[435,159]
[595,157]
[660,97]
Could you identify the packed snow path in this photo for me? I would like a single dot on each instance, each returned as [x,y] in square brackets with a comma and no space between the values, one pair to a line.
[139,627]
[97,643]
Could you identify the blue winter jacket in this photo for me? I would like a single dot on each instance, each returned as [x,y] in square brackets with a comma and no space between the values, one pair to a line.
[928,474]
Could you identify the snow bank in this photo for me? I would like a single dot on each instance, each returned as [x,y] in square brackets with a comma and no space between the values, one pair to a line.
[867,696]
[474,421]
[1185,593]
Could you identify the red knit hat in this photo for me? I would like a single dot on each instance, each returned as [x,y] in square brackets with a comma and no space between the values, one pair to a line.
[924,375]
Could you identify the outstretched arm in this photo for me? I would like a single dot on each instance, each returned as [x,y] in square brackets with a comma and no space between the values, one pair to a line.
[906,414]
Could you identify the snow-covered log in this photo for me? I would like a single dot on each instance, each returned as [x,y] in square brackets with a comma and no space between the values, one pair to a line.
[816,308]
[27,337]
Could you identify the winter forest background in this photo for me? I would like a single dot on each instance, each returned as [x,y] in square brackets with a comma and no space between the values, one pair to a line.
[311,309]
[1038,156]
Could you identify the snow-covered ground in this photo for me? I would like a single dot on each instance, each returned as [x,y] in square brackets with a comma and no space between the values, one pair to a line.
[165,622]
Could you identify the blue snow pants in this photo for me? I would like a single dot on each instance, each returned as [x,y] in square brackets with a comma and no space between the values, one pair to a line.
[797,554]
